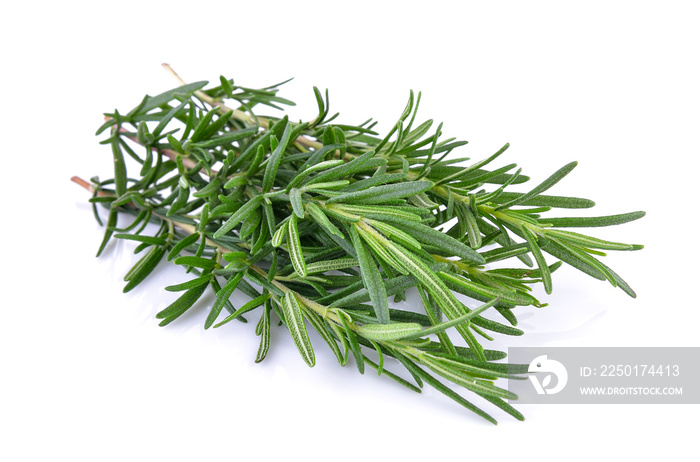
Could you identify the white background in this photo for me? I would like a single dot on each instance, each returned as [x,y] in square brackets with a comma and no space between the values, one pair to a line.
[86,373]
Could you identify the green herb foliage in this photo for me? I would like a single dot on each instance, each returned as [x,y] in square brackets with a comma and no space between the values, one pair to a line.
[320,223]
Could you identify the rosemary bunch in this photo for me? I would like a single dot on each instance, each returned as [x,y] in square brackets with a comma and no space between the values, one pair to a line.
[320,223]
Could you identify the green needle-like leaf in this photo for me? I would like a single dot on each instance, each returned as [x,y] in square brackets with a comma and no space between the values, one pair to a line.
[109,230]
[474,167]
[228,138]
[346,170]
[439,386]
[264,333]
[454,322]
[251,305]
[542,187]
[551,201]
[275,158]
[591,222]
[396,234]
[324,332]
[203,124]
[119,168]
[447,244]
[196,282]
[539,258]
[371,278]
[388,332]
[294,245]
[238,216]
[322,219]
[197,262]
[295,323]
[589,241]
[143,268]
[377,212]
[352,342]
[380,194]
[222,297]
[182,304]
[331,265]
[297,204]
[184,91]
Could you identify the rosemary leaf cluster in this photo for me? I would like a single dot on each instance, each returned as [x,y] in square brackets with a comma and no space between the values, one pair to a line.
[320,223]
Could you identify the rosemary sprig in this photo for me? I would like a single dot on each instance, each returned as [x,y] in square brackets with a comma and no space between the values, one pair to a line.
[320,223]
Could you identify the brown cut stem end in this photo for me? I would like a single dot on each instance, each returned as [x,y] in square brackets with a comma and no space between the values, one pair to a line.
[79,181]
